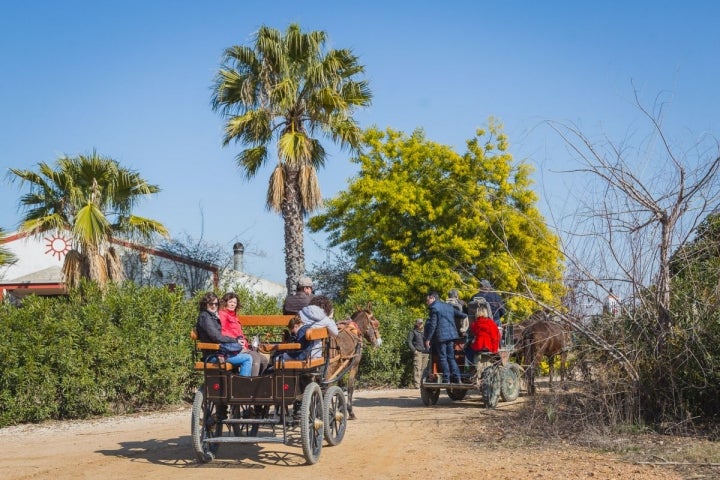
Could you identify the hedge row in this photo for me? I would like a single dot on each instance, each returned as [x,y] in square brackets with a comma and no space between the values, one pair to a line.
[127,349]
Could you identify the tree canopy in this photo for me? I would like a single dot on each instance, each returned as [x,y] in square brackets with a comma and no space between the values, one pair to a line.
[288,88]
[419,216]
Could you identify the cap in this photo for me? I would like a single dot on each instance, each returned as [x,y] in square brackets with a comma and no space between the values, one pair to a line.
[305,282]
[419,321]
[485,284]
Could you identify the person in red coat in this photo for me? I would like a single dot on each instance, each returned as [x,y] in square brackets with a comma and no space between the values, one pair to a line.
[484,334]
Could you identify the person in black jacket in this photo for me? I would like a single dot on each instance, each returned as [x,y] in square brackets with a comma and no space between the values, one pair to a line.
[416,344]
[497,306]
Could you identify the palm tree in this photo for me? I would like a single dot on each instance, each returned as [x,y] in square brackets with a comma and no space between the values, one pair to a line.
[6,256]
[288,88]
[92,197]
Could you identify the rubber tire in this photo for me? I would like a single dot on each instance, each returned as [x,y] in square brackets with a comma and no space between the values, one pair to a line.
[456,394]
[491,386]
[204,425]
[312,430]
[429,396]
[510,382]
[336,415]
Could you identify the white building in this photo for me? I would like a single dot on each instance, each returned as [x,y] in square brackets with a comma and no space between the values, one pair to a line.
[38,269]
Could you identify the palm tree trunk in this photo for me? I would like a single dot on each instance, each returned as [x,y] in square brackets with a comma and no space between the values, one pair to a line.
[294,223]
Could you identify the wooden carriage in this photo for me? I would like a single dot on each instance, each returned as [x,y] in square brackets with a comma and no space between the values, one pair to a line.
[229,408]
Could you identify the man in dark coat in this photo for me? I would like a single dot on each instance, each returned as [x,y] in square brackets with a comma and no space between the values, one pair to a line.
[497,306]
[441,331]
[300,299]
[416,343]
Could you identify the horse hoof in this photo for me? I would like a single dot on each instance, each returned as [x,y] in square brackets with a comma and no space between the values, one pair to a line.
[351,416]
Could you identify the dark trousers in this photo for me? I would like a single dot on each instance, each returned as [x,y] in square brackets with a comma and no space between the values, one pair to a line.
[446,357]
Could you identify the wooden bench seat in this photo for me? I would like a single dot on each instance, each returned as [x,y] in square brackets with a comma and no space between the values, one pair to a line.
[311,334]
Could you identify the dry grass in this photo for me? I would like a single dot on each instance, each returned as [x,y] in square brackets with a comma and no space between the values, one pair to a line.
[572,417]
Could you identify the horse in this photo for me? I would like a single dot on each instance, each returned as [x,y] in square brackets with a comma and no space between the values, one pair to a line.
[519,328]
[544,338]
[348,345]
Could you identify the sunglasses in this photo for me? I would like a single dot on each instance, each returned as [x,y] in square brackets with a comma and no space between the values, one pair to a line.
[212,303]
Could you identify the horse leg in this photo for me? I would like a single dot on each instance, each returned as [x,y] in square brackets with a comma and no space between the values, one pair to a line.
[350,390]
[551,369]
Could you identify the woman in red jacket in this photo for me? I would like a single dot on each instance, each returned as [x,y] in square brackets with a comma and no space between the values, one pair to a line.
[229,306]
[484,333]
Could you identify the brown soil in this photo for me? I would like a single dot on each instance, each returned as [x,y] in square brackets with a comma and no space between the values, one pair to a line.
[394,437]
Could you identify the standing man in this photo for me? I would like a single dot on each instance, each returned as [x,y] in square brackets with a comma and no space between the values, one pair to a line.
[497,306]
[441,330]
[416,343]
[300,299]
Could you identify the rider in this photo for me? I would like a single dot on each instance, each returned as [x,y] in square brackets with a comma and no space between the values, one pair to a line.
[318,314]
[484,333]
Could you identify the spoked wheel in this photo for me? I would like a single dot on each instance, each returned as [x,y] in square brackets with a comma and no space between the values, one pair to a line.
[335,415]
[456,394]
[311,422]
[490,380]
[204,424]
[429,396]
[510,382]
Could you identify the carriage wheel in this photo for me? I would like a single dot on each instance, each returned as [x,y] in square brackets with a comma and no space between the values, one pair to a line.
[204,424]
[311,423]
[490,380]
[456,394]
[510,382]
[335,415]
[429,396]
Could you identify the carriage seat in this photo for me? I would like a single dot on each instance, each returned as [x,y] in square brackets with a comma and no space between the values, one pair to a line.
[205,347]
[320,333]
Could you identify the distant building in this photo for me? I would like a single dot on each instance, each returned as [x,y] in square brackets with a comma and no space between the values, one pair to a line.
[38,269]
[611,305]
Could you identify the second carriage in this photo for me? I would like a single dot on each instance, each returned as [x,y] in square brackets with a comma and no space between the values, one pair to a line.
[494,375]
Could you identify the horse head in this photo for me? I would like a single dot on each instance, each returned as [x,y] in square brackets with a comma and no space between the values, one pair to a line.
[367,323]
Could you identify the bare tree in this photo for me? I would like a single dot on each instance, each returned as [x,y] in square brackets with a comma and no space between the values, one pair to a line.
[649,199]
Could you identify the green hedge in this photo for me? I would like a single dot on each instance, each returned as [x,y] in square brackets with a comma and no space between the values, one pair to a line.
[127,349]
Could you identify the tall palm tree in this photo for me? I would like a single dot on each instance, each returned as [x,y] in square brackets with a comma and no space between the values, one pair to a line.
[290,89]
[92,197]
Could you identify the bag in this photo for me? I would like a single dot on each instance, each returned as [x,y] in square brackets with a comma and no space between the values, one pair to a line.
[230,349]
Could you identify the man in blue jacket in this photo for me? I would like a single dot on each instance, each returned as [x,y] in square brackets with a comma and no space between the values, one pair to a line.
[441,331]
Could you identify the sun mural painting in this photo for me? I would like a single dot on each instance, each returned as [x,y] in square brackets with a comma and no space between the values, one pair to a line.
[57,245]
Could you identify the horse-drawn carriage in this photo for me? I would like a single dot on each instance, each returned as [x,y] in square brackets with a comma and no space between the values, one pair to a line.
[493,375]
[229,408]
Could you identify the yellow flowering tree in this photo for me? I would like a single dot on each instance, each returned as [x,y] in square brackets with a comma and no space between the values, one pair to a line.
[419,216]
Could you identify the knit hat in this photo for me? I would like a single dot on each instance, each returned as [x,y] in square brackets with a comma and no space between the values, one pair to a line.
[305,282]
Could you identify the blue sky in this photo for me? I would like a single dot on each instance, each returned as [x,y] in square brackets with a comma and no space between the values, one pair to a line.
[132,79]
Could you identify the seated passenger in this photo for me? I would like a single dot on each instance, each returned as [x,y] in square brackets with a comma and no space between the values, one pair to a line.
[484,334]
[231,327]
[297,335]
[209,329]
[319,314]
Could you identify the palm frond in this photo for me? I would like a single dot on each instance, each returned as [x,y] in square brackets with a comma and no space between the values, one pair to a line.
[309,189]
[276,189]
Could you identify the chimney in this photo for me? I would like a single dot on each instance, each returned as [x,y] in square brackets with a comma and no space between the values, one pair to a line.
[238,251]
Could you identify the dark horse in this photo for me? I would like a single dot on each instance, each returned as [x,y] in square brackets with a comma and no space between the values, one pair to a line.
[348,346]
[544,338]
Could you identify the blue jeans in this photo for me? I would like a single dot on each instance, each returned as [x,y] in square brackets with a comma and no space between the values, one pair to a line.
[446,357]
[243,361]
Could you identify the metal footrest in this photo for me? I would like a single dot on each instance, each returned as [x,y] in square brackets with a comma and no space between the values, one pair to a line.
[244,440]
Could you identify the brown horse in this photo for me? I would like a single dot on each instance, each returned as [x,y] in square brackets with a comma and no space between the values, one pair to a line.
[348,346]
[519,329]
[542,339]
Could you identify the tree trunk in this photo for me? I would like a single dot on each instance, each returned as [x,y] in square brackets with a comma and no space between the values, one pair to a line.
[294,224]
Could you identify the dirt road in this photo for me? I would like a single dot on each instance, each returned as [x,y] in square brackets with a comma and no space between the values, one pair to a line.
[394,437]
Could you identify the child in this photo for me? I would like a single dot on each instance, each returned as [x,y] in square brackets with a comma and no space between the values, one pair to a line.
[297,335]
